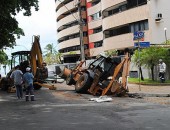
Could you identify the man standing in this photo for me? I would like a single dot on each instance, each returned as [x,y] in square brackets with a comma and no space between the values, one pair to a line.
[162,70]
[28,79]
[17,76]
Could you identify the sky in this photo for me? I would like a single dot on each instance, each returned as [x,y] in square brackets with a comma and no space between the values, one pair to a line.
[42,22]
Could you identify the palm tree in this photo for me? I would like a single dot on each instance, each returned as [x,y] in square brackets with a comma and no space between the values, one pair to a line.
[50,49]
[51,55]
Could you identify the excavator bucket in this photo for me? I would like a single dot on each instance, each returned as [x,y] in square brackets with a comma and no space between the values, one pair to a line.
[117,89]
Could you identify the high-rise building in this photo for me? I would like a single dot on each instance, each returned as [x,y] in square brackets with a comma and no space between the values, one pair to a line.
[111,24]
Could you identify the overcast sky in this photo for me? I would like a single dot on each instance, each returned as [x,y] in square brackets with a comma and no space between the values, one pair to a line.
[42,22]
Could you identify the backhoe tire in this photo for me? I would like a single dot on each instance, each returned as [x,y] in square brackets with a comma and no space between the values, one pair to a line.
[4,84]
[37,87]
[70,80]
[83,83]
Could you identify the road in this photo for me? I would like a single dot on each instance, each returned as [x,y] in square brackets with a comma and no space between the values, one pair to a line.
[64,109]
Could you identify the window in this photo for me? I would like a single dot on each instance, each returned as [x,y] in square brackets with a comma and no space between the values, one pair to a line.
[69,37]
[85,34]
[129,28]
[97,30]
[86,46]
[73,48]
[135,3]
[118,31]
[83,8]
[124,6]
[132,3]
[95,2]
[146,25]
[98,44]
[142,2]
[139,26]
[136,27]
[117,10]
[110,13]
[96,16]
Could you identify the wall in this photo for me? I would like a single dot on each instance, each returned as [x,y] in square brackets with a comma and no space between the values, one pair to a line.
[158,33]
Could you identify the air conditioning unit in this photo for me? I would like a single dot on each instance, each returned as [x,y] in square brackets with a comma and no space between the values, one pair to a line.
[158,17]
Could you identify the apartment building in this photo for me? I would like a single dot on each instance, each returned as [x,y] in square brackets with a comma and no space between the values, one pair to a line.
[110,24]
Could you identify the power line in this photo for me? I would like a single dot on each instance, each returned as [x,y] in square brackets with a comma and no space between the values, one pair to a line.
[80,21]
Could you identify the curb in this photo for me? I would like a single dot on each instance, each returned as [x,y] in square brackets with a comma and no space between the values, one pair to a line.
[158,84]
[148,95]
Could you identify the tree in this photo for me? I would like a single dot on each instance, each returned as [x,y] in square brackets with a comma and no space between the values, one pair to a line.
[111,53]
[50,49]
[150,57]
[51,55]
[9,29]
[72,52]
[3,57]
[166,42]
[53,58]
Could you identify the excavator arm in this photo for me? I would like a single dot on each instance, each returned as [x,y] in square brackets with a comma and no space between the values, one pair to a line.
[36,59]
[119,88]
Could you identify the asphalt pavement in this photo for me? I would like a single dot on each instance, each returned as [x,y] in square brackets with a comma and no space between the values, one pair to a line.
[64,109]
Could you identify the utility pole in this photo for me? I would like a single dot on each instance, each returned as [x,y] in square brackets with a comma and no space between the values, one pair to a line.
[139,65]
[81,31]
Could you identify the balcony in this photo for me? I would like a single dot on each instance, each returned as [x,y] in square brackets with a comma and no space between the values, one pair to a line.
[94,9]
[125,17]
[59,3]
[122,41]
[68,31]
[67,20]
[71,42]
[68,43]
[95,24]
[96,51]
[108,3]
[96,37]
[63,9]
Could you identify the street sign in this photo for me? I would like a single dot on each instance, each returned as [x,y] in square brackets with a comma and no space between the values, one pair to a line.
[138,35]
[142,44]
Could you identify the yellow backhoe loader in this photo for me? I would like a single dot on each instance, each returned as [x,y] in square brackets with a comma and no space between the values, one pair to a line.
[104,76]
[32,59]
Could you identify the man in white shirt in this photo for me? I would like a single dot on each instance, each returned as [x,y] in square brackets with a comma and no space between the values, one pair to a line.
[17,76]
[162,70]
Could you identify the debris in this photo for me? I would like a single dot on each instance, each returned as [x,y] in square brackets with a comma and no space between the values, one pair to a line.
[101,99]
[135,95]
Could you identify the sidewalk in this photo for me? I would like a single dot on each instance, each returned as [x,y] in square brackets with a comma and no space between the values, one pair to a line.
[149,91]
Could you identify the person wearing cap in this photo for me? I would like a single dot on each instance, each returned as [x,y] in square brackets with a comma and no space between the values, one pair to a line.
[44,71]
[162,70]
[17,76]
[28,79]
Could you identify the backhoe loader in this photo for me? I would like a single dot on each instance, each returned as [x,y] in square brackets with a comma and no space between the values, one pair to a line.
[32,59]
[102,76]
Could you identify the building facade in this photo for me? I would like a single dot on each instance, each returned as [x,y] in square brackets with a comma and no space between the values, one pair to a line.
[110,24]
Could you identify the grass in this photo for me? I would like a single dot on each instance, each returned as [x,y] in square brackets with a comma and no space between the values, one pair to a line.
[146,81]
